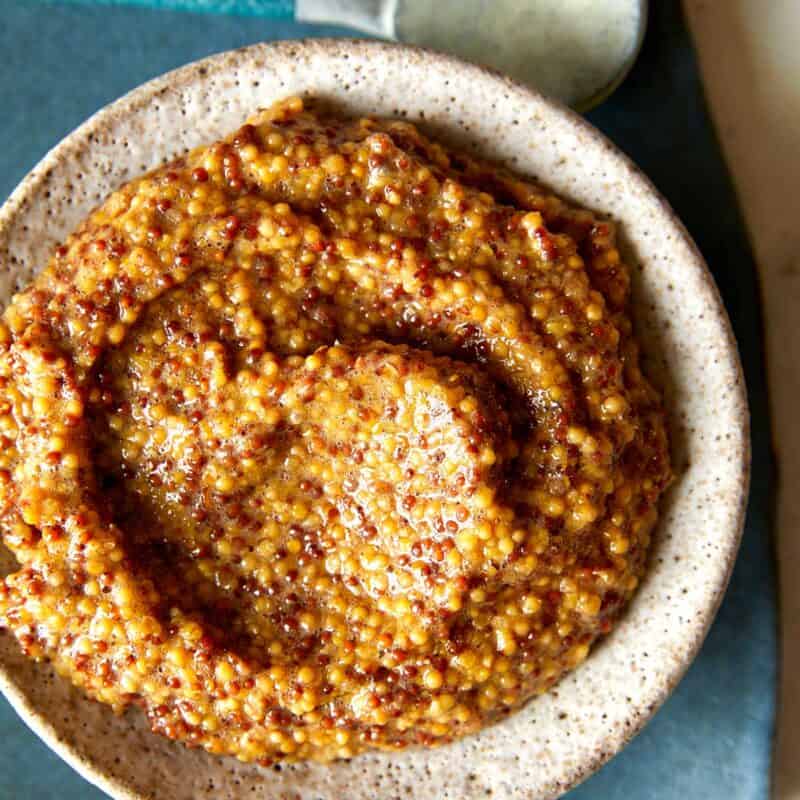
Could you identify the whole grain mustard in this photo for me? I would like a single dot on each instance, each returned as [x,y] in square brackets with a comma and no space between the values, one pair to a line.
[324,438]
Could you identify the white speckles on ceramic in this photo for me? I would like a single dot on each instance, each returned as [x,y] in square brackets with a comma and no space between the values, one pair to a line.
[555,740]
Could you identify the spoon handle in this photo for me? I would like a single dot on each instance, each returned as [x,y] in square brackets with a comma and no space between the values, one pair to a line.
[371,16]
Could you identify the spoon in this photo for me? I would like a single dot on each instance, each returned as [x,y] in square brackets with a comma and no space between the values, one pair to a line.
[577,51]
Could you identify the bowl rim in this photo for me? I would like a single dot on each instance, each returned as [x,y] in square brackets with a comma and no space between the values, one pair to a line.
[639,715]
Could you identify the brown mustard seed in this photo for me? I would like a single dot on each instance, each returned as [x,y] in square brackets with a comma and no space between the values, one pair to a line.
[236,505]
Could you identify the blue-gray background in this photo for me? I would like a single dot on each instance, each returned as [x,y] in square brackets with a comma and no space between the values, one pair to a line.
[713,737]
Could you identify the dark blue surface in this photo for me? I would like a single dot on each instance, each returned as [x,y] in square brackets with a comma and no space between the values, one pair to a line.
[712,739]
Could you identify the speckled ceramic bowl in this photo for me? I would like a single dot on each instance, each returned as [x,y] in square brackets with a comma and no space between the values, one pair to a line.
[556,740]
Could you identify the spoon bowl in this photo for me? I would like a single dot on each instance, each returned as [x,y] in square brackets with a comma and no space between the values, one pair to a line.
[577,51]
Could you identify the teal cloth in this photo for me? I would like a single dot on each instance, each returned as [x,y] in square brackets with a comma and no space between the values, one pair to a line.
[270,9]
[712,739]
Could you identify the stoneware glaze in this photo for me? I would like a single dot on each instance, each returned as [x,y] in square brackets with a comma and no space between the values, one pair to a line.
[557,740]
